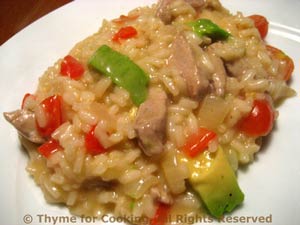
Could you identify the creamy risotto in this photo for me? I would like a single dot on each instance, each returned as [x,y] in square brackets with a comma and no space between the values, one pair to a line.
[151,117]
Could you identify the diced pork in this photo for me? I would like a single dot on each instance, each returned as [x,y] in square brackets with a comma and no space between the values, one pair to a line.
[24,121]
[150,123]
[183,59]
[164,12]
[196,4]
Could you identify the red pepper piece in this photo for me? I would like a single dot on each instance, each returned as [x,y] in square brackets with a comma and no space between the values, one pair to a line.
[27,95]
[52,108]
[71,67]
[124,33]
[198,142]
[161,215]
[92,145]
[123,19]
[49,147]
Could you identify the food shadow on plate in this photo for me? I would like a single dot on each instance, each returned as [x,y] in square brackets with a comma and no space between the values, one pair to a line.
[265,143]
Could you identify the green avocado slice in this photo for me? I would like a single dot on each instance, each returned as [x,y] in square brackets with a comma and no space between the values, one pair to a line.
[213,179]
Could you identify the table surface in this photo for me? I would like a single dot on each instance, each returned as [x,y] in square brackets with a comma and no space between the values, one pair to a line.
[17,14]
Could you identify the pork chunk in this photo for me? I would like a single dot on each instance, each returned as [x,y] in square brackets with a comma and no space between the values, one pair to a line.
[164,12]
[24,121]
[183,59]
[150,123]
[196,4]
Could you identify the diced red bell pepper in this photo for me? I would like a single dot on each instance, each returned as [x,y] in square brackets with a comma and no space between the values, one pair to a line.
[26,96]
[49,147]
[92,145]
[161,214]
[124,33]
[123,19]
[71,67]
[198,142]
[51,106]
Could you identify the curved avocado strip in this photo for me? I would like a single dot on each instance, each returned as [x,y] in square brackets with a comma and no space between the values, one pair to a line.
[213,179]
[122,71]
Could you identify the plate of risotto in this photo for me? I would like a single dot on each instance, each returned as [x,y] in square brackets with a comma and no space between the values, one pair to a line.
[153,113]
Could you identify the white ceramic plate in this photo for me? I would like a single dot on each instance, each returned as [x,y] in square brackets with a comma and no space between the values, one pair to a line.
[271,184]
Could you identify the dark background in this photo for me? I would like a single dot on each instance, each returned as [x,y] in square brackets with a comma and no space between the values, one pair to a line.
[17,14]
